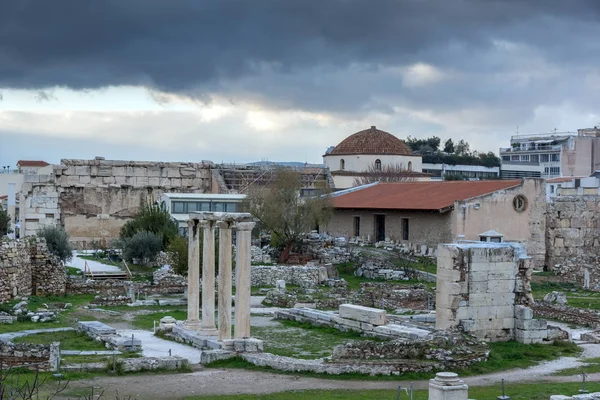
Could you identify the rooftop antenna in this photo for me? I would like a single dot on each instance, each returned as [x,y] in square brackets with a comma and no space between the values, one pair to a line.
[517,132]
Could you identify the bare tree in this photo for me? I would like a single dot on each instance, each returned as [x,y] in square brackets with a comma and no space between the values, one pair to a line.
[284,213]
[386,173]
[15,386]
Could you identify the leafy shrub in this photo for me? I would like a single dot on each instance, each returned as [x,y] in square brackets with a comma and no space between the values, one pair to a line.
[179,248]
[153,219]
[57,240]
[144,246]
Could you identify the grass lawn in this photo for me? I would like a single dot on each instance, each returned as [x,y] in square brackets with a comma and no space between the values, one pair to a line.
[346,271]
[146,321]
[65,317]
[576,297]
[69,340]
[301,340]
[534,391]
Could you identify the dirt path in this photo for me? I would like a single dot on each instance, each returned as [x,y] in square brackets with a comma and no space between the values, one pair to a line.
[234,381]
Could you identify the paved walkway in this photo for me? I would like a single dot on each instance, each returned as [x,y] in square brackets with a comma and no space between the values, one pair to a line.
[95,266]
[153,346]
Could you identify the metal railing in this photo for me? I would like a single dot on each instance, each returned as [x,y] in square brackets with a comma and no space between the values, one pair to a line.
[127,271]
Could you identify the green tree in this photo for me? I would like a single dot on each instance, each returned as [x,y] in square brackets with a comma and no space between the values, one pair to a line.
[449,146]
[4,222]
[154,219]
[462,148]
[57,240]
[283,213]
[430,144]
[143,246]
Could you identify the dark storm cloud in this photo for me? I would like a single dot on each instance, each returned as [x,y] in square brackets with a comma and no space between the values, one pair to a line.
[178,45]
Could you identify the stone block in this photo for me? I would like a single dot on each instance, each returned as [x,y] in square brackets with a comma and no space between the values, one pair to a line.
[173,173]
[370,315]
[82,170]
[447,386]
[140,171]
[142,181]
[531,324]
[523,312]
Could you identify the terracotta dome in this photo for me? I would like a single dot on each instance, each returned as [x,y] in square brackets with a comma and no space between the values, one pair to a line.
[372,141]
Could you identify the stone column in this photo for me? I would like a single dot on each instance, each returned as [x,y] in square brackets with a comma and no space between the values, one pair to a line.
[207,325]
[193,301]
[225,280]
[447,386]
[242,280]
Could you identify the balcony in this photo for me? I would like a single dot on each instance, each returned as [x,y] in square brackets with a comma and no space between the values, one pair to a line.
[551,148]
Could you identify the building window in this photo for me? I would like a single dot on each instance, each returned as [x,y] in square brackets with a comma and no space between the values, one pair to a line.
[551,188]
[525,157]
[378,165]
[505,158]
[534,158]
[520,203]
[342,164]
[544,157]
[514,158]
[404,228]
[178,207]
[357,226]
[555,157]
[410,165]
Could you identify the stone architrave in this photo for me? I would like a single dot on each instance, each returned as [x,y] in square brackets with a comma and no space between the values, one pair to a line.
[207,325]
[225,280]
[193,304]
[242,291]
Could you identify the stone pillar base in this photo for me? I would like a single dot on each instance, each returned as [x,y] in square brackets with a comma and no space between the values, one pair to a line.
[192,325]
[447,386]
[208,331]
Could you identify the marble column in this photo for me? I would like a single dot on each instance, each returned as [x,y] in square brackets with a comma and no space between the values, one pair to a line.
[242,280]
[207,325]
[225,280]
[193,303]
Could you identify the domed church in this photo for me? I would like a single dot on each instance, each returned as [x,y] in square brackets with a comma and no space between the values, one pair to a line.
[369,152]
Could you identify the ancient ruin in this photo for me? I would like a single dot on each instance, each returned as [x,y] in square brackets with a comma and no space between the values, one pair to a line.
[205,328]
[483,288]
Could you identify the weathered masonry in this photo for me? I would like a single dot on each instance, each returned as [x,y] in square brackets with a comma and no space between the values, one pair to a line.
[484,287]
[93,199]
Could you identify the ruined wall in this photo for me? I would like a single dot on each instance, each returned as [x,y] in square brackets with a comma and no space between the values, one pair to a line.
[25,266]
[479,286]
[93,199]
[573,238]
[496,212]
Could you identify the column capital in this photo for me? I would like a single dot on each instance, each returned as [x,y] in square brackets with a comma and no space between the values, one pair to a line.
[245,226]
[224,224]
[191,222]
[207,224]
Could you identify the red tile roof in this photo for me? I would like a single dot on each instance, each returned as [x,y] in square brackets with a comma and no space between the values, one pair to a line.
[372,141]
[32,163]
[425,196]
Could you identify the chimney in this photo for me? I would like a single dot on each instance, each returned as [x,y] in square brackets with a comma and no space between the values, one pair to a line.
[373,127]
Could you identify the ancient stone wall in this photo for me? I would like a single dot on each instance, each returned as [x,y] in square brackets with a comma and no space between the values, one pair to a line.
[479,286]
[33,356]
[573,238]
[26,268]
[265,275]
[94,198]
[121,288]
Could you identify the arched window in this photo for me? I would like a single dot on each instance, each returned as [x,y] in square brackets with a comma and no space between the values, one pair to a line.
[342,164]
[378,165]
[410,165]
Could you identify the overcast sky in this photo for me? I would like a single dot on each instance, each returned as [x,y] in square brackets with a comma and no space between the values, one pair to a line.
[282,80]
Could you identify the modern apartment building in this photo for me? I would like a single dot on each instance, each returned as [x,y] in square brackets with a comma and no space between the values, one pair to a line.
[552,155]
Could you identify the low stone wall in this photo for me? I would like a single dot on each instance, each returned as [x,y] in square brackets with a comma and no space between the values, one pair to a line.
[263,275]
[120,288]
[450,349]
[133,364]
[33,356]
[383,295]
[567,314]
[108,335]
[27,267]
